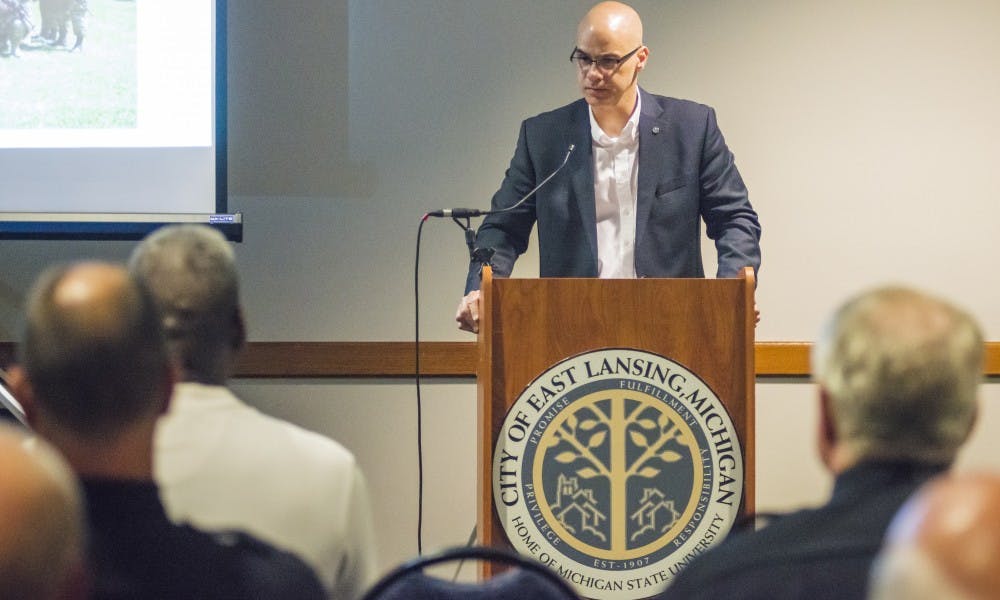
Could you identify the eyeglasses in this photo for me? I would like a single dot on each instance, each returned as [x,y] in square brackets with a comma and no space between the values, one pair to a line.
[605,64]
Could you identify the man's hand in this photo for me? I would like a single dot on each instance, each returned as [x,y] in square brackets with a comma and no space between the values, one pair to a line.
[467,315]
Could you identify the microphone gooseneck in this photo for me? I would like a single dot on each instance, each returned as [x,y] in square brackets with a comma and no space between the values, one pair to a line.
[464,213]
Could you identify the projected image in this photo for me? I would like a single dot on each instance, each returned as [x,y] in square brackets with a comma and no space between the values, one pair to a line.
[68,64]
[125,123]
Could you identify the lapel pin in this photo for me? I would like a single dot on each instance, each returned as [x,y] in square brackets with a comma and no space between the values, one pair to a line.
[656,130]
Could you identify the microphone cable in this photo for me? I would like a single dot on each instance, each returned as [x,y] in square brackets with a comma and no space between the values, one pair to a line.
[455,214]
[417,380]
[416,377]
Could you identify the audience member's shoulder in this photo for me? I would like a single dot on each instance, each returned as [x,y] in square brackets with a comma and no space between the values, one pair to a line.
[265,571]
[316,445]
[742,551]
[157,559]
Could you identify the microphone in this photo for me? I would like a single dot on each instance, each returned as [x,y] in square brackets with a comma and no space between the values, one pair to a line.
[461,213]
[458,213]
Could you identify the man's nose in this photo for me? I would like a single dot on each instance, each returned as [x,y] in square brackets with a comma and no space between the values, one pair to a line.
[593,73]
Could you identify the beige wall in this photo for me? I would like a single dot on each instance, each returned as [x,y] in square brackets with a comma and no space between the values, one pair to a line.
[867,133]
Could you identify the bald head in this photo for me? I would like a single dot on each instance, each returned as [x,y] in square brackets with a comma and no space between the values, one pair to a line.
[609,55]
[41,522]
[90,296]
[93,350]
[944,543]
[609,21]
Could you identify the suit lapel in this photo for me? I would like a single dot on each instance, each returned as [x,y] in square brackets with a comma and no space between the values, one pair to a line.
[581,165]
[652,149]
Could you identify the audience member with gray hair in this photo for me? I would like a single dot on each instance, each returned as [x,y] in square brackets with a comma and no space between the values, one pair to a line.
[41,522]
[898,373]
[95,377]
[944,544]
[222,464]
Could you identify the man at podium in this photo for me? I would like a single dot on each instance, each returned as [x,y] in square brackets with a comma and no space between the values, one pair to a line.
[632,174]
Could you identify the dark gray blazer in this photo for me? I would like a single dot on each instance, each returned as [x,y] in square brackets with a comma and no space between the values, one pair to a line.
[686,173]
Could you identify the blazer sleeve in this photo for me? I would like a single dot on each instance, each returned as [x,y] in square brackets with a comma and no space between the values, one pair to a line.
[507,234]
[730,220]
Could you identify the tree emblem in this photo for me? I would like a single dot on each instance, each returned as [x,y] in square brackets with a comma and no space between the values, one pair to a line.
[619,471]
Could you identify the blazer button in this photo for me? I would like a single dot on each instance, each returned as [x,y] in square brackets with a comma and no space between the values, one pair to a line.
[656,130]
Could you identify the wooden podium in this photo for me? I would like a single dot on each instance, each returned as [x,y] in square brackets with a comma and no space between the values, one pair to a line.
[528,325]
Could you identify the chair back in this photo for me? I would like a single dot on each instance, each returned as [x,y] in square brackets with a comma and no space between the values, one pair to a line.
[530,579]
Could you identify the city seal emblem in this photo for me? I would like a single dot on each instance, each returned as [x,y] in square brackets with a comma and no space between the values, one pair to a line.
[615,468]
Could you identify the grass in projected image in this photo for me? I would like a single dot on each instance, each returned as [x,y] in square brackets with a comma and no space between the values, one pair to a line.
[47,84]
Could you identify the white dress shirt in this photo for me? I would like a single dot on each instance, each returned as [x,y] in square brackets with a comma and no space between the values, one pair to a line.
[615,179]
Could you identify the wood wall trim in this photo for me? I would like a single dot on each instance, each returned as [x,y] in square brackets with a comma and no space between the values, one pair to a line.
[450,359]
[458,359]
[356,359]
[782,359]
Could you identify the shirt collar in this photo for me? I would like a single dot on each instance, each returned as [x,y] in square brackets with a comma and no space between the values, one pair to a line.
[629,134]
[858,481]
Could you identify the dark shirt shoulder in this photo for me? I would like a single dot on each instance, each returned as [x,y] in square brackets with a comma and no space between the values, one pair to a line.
[136,552]
[814,554]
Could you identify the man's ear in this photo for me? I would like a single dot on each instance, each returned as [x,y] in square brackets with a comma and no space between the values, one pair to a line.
[24,393]
[974,421]
[239,338]
[826,434]
[171,375]
[643,57]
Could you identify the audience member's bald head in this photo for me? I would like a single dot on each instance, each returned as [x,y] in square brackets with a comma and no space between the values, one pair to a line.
[944,544]
[41,521]
[93,353]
